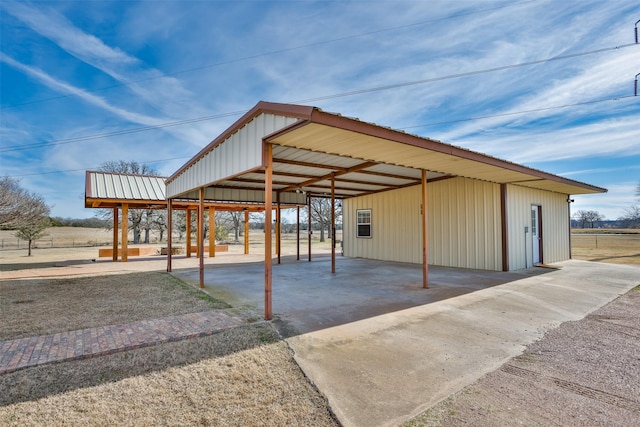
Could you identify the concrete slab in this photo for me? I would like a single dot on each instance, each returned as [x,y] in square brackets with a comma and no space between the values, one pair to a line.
[386,369]
[307,297]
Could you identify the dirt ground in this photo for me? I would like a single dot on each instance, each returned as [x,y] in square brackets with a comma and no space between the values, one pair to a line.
[583,373]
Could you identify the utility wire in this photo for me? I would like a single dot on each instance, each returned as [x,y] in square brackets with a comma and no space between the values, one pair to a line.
[322,98]
[513,113]
[93,168]
[400,128]
[467,74]
[275,52]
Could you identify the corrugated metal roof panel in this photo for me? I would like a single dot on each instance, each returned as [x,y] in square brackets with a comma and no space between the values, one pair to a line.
[114,186]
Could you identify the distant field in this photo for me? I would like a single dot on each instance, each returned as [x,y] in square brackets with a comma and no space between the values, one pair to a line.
[606,245]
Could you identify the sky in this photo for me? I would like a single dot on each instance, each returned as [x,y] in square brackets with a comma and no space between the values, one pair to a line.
[545,83]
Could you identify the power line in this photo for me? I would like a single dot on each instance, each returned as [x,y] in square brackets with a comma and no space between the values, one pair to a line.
[85,169]
[321,98]
[400,128]
[513,113]
[274,52]
[467,74]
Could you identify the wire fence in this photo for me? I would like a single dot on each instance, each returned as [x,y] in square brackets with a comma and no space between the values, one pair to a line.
[15,243]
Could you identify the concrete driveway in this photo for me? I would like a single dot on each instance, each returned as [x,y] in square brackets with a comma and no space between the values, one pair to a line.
[382,349]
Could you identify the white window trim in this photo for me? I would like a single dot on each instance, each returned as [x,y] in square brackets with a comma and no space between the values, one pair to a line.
[358,224]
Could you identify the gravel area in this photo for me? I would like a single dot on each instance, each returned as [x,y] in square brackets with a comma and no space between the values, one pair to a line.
[583,373]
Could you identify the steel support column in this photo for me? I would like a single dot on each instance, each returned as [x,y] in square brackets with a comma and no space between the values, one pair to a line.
[200,232]
[268,201]
[425,240]
[333,222]
[169,233]
[115,234]
[125,232]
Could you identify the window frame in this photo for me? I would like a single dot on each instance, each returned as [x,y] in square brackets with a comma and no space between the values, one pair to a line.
[369,224]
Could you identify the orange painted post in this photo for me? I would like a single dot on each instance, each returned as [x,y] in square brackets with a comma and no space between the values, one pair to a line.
[278,236]
[212,232]
[200,232]
[169,233]
[268,196]
[246,232]
[309,224]
[297,233]
[125,232]
[188,232]
[115,234]
[333,222]
[425,241]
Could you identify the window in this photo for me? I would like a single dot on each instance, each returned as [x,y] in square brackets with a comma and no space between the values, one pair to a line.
[364,223]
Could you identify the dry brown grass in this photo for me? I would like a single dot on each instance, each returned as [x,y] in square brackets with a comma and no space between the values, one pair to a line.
[611,248]
[232,378]
[46,306]
[244,376]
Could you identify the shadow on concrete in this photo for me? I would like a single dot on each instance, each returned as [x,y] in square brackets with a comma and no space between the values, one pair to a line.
[307,297]
[36,265]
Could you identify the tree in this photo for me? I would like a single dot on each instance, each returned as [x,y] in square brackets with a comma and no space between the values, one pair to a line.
[33,231]
[231,221]
[138,218]
[631,219]
[18,207]
[587,219]
[321,214]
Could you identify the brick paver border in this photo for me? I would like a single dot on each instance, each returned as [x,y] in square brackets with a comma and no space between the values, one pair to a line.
[93,342]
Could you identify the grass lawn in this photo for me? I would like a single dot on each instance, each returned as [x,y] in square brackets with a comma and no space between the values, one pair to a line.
[244,376]
[595,245]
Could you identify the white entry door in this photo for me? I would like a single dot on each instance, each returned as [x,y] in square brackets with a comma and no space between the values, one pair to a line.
[536,233]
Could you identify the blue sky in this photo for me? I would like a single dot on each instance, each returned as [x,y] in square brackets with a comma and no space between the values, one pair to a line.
[73,74]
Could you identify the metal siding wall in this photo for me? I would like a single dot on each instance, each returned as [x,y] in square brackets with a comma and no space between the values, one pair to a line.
[555,225]
[240,152]
[463,220]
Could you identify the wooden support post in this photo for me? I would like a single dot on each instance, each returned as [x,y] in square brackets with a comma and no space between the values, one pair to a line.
[309,224]
[246,232]
[188,232]
[169,234]
[200,231]
[268,196]
[425,241]
[297,233]
[125,232]
[115,234]
[333,222]
[212,232]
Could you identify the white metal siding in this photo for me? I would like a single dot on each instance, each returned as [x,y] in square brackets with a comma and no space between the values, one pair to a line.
[240,152]
[555,225]
[463,220]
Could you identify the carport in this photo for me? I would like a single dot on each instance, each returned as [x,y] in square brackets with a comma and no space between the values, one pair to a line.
[279,154]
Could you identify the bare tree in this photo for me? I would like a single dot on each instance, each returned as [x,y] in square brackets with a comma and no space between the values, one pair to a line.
[587,219]
[321,214]
[231,221]
[33,231]
[18,207]
[631,218]
[138,218]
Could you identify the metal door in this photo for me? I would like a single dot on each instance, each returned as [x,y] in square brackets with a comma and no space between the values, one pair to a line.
[536,233]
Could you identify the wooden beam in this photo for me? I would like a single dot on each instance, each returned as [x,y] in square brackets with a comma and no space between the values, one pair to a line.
[115,234]
[268,195]
[188,232]
[169,234]
[125,232]
[308,164]
[246,232]
[200,232]
[425,241]
[212,231]
[333,222]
